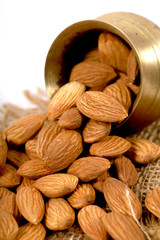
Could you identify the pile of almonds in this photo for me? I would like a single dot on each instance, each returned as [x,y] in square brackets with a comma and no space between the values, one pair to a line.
[53,166]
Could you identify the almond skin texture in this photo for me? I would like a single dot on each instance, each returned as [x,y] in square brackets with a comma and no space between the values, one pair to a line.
[88,168]
[112,146]
[3,152]
[46,136]
[90,220]
[7,200]
[142,151]
[31,149]
[152,201]
[33,169]
[92,55]
[8,226]
[95,130]
[64,98]
[8,177]
[70,119]
[30,204]
[120,198]
[101,107]
[63,150]
[113,51]
[83,195]
[59,215]
[23,129]
[98,182]
[121,93]
[56,185]
[17,158]
[122,227]
[92,73]
[31,232]
[132,66]
[126,170]
[26,182]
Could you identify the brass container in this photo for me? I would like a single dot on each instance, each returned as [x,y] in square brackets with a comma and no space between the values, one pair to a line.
[142,35]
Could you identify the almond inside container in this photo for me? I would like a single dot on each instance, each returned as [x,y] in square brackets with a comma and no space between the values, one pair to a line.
[141,35]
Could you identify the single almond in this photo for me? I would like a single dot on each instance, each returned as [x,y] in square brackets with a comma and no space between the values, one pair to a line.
[90,220]
[126,170]
[92,73]
[112,146]
[3,152]
[16,157]
[113,51]
[59,215]
[8,177]
[152,201]
[8,226]
[120,198]
[64,98]
[63,150]
[7,200]
[97,183]
[142,150]
[30,204]
[88,168]
[33,169]
[122,227]
[101,107]
[83,195]
[70,119]
[95,130]
[56,185]
[121,93]
[32,232]
[26,182]
[31,149]
[24,128]
[132,66]
[46,136]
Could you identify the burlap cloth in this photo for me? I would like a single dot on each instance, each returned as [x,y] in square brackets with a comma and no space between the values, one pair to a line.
[148,179]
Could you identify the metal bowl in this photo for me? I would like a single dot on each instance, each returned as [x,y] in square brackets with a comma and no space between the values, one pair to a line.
[142,35]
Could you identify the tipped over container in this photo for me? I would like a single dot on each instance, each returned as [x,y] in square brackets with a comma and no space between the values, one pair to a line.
[142,35]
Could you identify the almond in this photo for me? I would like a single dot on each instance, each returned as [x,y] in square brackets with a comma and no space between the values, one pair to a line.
[92,73]
[123,79]
[120,198]
[26,182]
[33,169]
[70,119]
[83,195]
[8,177]
[16,157]
[7,200]
[132,66]
[63,150]
[88,168]
[2,134]
[56,185]
[90,220]
[95,130]
[31,149]
[30,204]
[152,201]
[3,152]
[113,51]
[92,55]
[31,232]
[24,128]
[59,215]
[142,151]
[64,98]
[112,146]
[121,93]
[122,227]
[97,183]
[126,171]
[8,226]
[101,107]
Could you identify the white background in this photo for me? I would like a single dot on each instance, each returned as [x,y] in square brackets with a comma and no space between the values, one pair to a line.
[28,28]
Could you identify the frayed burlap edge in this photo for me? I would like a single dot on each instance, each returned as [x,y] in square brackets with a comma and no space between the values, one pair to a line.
[148,175]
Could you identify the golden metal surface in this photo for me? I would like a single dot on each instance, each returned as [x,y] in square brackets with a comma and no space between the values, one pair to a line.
[140,33]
